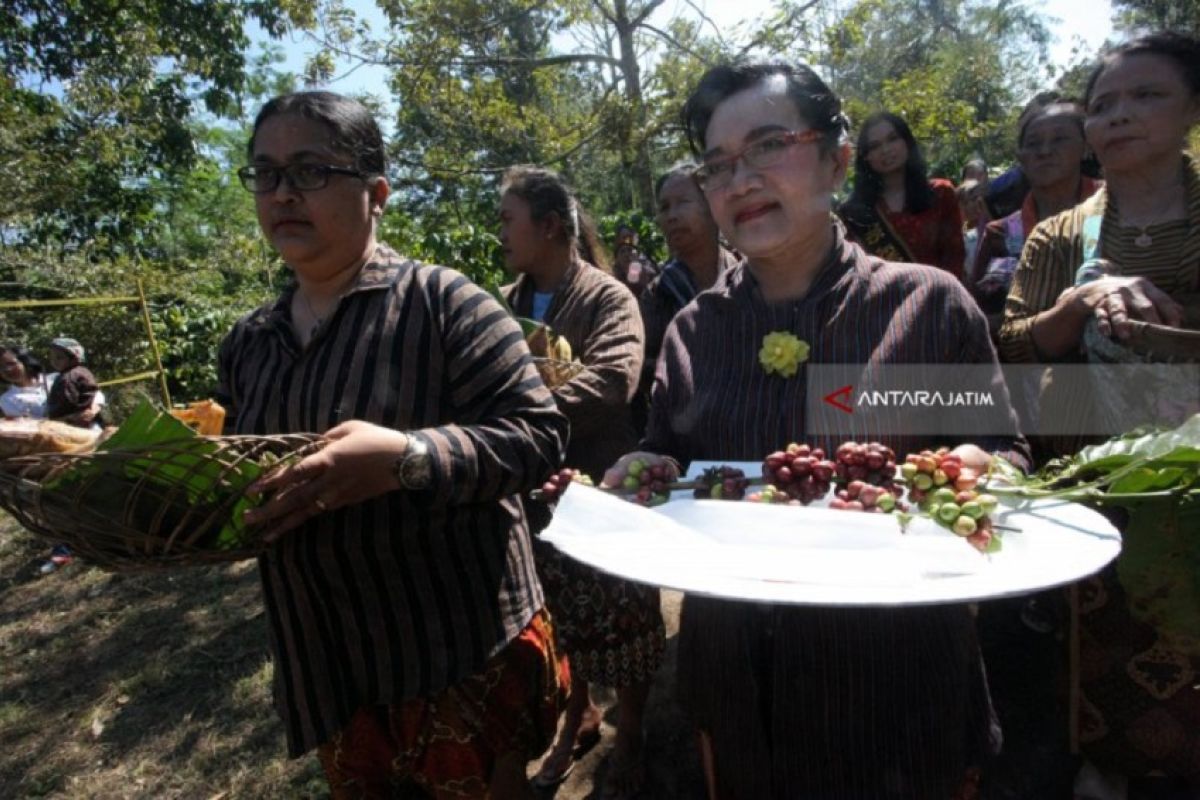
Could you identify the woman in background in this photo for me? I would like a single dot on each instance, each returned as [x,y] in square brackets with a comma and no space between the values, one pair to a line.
[1131,251]
[26,393]
[896,212]
[1051,149]
[612,630]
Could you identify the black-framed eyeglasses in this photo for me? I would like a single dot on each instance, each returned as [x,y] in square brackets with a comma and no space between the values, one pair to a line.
[762,153]
[300,177]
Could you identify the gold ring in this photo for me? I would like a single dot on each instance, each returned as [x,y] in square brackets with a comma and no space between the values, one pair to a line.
[321,506]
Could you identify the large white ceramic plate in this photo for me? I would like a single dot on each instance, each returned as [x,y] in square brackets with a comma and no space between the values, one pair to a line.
[819,556]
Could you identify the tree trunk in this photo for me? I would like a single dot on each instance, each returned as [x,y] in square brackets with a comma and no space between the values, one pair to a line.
[634,147]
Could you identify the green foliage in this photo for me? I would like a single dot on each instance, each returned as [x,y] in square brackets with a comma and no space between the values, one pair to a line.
[957,71]
[472,249]
[490,84]
[1143,16]
[101,144]
[650,238]
[192,307]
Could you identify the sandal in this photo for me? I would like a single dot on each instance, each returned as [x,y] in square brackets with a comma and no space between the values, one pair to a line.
[547,777]
[585,740]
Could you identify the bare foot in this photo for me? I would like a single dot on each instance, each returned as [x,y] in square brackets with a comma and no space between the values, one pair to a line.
[588,734]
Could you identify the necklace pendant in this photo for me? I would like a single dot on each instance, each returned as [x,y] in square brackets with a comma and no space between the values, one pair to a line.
[1144,240]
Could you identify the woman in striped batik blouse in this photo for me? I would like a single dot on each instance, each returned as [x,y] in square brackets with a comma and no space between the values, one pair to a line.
[1131,251]
[406,622]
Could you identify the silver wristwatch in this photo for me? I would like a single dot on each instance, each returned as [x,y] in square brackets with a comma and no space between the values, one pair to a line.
[414,469]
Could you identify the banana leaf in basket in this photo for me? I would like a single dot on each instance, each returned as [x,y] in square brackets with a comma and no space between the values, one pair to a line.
[154,495]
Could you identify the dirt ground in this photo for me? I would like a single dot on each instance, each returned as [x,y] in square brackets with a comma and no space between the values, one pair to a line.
[158,686]
[673,767]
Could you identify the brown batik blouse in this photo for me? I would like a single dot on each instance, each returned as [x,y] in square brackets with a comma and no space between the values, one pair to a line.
[828,702]
[408,593]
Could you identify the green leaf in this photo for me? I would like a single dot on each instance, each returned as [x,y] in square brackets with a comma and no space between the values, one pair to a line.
[146,426]
[494,290]
[1147,479]
[172,456]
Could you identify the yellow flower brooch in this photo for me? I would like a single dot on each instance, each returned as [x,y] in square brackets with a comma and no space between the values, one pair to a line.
[783,353]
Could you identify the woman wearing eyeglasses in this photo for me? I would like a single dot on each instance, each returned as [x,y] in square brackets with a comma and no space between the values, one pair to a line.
[895,211]
[406,622]
[790,701]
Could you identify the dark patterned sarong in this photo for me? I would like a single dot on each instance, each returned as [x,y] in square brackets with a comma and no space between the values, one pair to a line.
[446,746]
[611,629]
[1139,650]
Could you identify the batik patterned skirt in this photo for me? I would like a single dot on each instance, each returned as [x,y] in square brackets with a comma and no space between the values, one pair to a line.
[612,630]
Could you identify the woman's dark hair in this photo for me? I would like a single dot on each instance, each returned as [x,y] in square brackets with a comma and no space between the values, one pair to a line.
[1043,102]
[547,193]
[33,366]
[1065,107]
[819,107]
[1182,49]
[352,128]
[868,184]
[680,169]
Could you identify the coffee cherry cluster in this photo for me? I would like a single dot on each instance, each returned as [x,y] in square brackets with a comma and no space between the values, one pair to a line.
[871,463]
[965,512]
[721,483]
[866,477]
[557,483]
[863,496]
[800,472]
[931,469]
[769,494]
[648,484]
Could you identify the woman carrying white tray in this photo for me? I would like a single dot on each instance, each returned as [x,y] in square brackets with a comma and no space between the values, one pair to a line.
[811,702]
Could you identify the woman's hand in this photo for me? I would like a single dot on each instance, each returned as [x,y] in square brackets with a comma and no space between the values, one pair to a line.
[973,456]
[1115,300]
[615,475]
[359,463]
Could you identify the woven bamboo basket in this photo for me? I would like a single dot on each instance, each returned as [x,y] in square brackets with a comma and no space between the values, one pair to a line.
[172,504]
[555,373]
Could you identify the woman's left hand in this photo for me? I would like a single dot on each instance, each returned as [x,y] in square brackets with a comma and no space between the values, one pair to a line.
[973,456]
[357,464]
[1116,300]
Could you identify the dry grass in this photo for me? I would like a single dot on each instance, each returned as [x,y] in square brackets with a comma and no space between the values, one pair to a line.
[157,686]
[147,685]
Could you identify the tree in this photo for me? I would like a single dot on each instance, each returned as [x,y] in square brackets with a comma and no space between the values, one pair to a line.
[105,93]
[1143,16]
[956,70]
[590,87]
